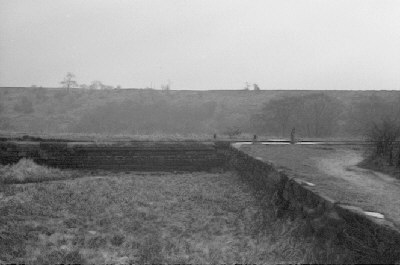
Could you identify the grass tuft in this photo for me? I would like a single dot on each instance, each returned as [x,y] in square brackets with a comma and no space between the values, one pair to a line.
[26,170]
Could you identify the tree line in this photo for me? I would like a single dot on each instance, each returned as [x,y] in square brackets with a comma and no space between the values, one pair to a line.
[319,115]
[314,115]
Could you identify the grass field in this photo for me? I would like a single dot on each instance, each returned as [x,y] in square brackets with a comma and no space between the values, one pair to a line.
[148,218]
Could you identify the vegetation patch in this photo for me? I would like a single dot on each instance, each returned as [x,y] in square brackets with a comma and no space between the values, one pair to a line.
[149,218]
[26,170]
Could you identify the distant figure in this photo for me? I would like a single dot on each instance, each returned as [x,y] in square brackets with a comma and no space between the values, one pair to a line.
[215,136]
[254,138]
[292,136]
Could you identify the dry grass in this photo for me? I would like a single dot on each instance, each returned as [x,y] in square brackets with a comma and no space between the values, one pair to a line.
[148,218]
[28,171]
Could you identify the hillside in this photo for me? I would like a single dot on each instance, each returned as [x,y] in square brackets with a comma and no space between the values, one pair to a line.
[145,111]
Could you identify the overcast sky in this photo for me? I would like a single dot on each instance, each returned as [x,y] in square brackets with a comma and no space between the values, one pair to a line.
[201,44]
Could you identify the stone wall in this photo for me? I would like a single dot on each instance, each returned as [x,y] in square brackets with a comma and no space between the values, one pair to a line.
[368,238]
[140,156]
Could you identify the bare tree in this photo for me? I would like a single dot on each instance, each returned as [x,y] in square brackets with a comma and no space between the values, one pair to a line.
[319,114]
[69,81]
[281,112]
[314,115]
[384,134]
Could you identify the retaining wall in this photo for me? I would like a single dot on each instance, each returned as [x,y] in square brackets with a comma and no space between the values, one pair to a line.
[140,156]
[369,239]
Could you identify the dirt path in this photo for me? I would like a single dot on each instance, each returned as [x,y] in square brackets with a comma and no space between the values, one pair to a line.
[343,164]
[383,190]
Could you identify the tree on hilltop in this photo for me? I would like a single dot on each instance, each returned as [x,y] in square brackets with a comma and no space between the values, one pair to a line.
[69,81]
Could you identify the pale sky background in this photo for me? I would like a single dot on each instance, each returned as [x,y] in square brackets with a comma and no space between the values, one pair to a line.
[202,44]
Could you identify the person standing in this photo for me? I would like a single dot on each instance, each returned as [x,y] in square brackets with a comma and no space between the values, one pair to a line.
[292,136]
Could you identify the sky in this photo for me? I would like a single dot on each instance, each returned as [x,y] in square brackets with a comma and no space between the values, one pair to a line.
[202,44]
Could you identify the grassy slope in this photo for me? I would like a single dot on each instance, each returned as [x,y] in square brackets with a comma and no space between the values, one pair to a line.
[55,115]
[149,217]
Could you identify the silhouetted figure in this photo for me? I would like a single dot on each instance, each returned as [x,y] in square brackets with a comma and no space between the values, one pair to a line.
[292,136]
[215,136]
[254,138]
